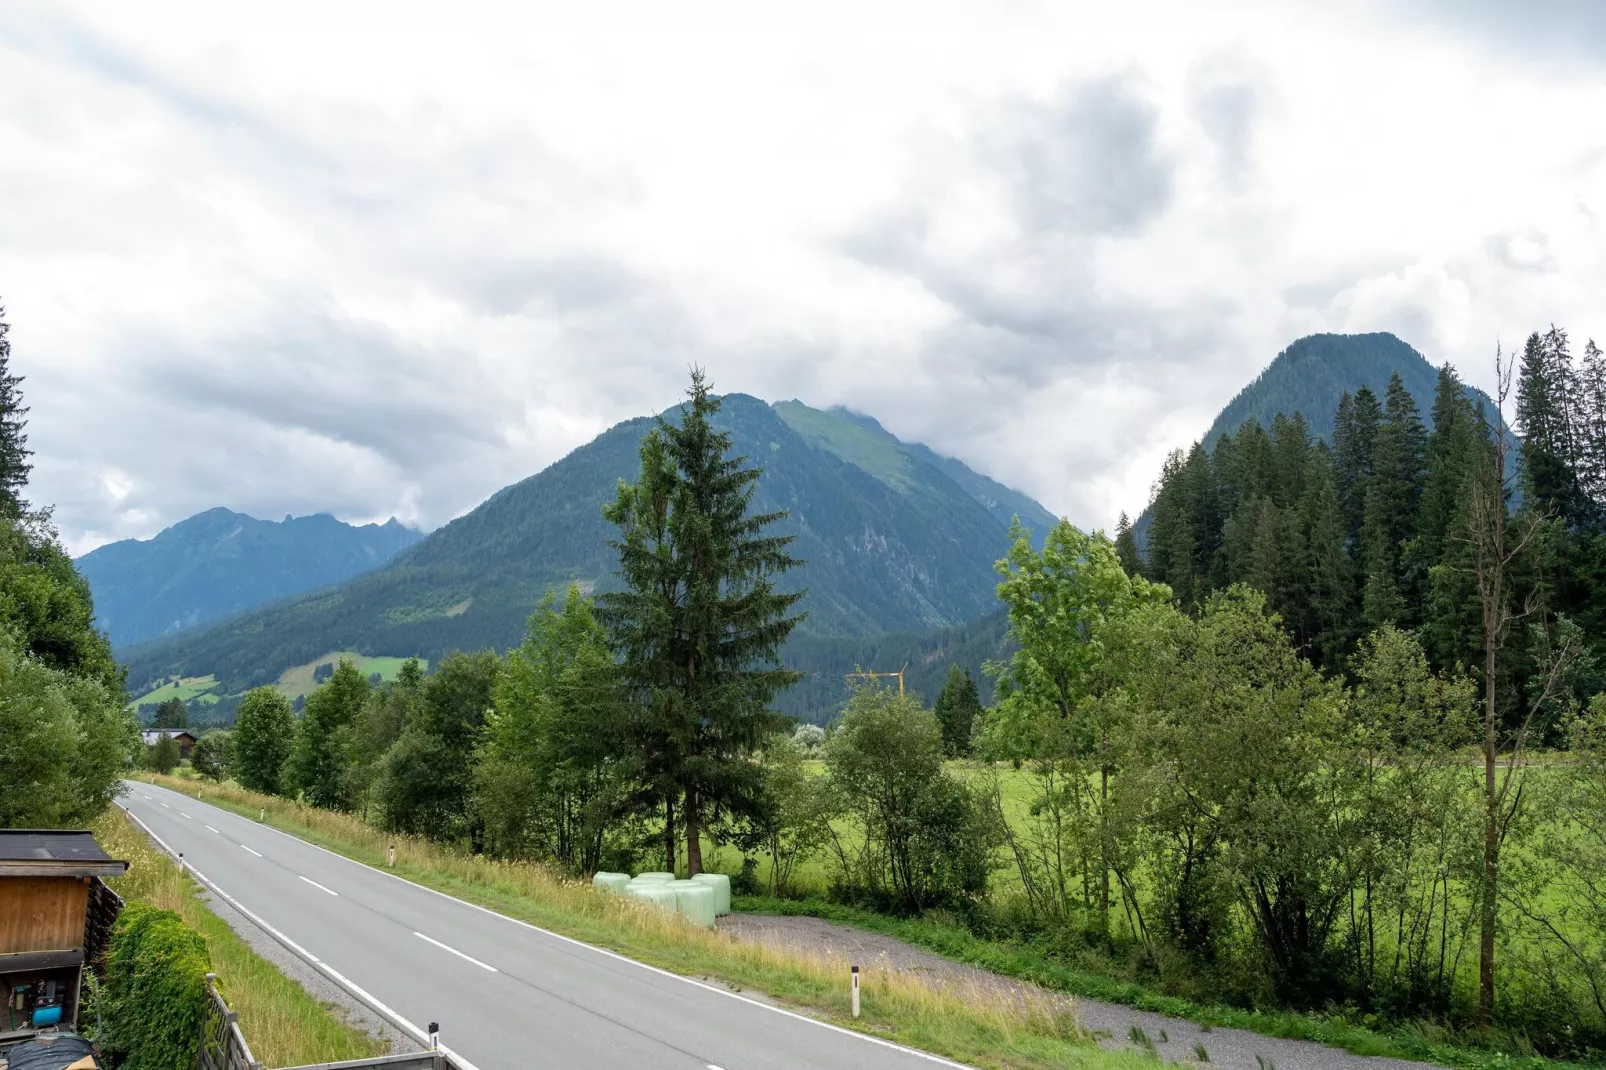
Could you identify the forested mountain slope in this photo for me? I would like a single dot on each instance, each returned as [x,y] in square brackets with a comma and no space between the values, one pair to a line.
[894,543]
[1312,373]
[221,562]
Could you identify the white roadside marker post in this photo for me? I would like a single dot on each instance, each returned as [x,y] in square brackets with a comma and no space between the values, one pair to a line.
[393,856]
[855,991]
[434,1035]
[181,862]
[262,813]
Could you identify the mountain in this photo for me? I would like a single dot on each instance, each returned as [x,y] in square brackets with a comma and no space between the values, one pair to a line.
[221,562]
[1310,375]
[896,540]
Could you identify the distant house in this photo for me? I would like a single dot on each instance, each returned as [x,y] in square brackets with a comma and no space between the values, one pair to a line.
[185,740]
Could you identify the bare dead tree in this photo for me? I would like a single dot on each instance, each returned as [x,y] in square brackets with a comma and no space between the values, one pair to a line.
[1497,542]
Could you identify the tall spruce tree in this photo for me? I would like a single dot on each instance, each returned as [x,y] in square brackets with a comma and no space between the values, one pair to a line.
[1393,492]
[699,623]
[957,708]
[1126,546]
[1354,429]
[14,451]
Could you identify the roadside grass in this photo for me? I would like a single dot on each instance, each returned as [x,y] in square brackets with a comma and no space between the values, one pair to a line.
[975,1025]
[283,1024]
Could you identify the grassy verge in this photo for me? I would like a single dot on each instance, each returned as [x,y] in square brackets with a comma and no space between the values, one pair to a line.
[1029,964]
[283,1024]
[977,1026]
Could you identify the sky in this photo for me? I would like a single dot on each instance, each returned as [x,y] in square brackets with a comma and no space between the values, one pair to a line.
[382,259]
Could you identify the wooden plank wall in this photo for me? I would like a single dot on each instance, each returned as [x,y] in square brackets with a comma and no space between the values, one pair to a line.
[42,913]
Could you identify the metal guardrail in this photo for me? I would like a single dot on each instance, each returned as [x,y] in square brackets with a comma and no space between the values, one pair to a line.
[223,1046]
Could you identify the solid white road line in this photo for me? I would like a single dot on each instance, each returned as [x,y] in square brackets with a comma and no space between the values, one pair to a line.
[209,828]
[453,950]
[383,1010]
[318,886]
[257,853]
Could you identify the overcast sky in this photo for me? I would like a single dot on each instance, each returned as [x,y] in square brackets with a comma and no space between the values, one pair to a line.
[383,260]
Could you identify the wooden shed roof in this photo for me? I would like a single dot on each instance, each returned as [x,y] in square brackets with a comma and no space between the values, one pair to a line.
[55,853]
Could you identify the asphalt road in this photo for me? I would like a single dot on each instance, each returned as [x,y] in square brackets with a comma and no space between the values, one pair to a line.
[506,994]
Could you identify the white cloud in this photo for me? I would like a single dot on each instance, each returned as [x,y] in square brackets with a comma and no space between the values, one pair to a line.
[372,260]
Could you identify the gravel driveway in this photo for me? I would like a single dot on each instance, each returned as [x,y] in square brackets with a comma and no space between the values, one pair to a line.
[1174,1039]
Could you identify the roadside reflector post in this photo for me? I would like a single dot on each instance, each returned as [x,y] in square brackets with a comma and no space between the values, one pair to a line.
[434,1035]
[855,991]
[262,813]
[393,856]
[181,861]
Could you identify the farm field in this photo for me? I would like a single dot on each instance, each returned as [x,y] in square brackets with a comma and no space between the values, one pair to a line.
[298,680]
[188,688]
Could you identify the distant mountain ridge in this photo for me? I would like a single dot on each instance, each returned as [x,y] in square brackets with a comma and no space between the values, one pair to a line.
[221,562]
[1312,373]
[897,539]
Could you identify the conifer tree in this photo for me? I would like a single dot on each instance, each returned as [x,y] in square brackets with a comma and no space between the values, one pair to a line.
[1354,429]
[14,451]
[699,623]
[1126,546]
[957,708]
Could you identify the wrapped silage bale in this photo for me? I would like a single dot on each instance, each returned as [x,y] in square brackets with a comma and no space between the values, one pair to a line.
[695,901]
[655,892]
[659,876]
[613,882]
[721,884]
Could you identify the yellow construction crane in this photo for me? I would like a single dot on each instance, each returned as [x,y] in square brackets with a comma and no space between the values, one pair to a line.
[876,675]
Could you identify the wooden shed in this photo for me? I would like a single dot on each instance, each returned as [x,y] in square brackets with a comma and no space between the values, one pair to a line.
[55,917]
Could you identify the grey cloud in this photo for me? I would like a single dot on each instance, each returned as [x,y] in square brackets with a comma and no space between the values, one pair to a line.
[1226,104]
[1535,30]
[1528,251]
[1087,161]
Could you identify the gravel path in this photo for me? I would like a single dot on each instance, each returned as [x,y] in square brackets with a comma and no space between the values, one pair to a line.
[1174,1039]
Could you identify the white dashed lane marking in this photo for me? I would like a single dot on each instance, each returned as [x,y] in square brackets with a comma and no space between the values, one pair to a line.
[257,853]
[320,887]
[453,950]
[209,828]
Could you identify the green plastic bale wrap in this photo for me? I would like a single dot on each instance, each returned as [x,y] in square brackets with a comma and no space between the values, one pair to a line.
[654,892]
[612,882]
[721,883]
[695,901]
[658,876]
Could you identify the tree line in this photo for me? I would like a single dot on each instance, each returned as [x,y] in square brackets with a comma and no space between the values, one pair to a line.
[64,736]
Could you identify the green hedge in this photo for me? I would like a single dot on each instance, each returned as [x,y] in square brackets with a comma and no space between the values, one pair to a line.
[156,997]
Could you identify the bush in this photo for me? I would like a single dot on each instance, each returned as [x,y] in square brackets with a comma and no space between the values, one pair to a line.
[155,993]
[210,755]
[164,755]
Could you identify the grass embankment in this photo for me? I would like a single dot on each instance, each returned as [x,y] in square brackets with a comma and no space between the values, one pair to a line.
[977,1026]
[282,1023]
[1029,964]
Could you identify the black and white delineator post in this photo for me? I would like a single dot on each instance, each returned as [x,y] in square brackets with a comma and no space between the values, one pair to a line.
[855,991]
[434,1035]
[393,856]
[181,861]
[262,813]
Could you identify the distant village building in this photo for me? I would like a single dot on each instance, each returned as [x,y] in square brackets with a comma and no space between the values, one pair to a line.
[185,739]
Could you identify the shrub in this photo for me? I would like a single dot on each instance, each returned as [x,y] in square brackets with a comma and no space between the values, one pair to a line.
[164,755]
[155,993]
